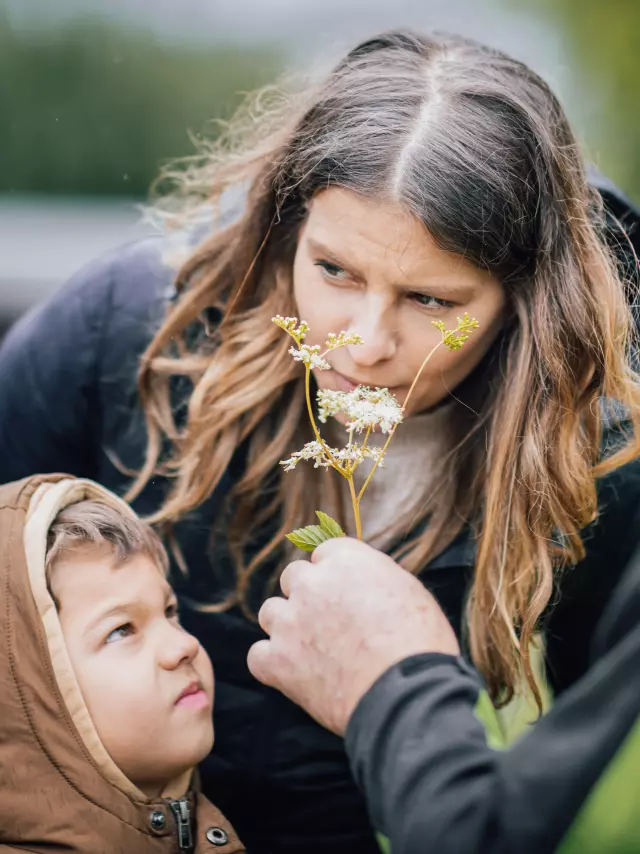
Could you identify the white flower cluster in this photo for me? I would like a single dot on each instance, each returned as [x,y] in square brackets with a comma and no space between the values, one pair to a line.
[310,356]
[454,339]
[352,455]
[290,326]
[349,457]
[312,451]
[365,408]
[343,339]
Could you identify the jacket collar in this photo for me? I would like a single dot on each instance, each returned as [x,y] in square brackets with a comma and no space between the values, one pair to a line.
[461,552]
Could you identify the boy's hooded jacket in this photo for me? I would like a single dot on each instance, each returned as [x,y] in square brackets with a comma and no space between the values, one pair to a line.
[59,788]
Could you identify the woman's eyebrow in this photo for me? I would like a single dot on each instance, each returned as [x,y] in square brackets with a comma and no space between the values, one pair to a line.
[438,287]
[321,249]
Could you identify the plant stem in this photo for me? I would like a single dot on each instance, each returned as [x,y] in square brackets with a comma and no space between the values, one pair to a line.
[378,461]
[355,500]
[366,438]
[417,376]
[393,430]
[307,393]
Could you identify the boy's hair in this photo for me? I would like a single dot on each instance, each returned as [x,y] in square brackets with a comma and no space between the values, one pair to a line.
[95,524]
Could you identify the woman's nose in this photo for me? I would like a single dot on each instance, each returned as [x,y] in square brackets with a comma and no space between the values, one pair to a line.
[376,327]
[177,647]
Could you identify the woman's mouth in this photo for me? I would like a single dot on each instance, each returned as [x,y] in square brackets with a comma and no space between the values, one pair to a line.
[341,382]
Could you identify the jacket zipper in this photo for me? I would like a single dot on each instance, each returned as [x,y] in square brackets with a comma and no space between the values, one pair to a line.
[182,815]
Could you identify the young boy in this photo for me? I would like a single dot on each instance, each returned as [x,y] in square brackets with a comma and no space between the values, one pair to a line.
[105,701]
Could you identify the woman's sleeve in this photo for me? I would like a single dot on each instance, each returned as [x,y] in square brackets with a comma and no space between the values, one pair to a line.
[48,380]
[68,368]
[432,783]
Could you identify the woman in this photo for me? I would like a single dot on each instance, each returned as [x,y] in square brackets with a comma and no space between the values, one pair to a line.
[424,178]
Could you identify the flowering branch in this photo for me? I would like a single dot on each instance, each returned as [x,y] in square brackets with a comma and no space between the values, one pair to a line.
[365,409]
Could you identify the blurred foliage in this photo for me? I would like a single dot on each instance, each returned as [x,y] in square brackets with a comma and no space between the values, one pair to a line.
[92,107]
[603,40]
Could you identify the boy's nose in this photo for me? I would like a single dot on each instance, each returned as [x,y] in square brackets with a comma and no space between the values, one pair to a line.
[176,647]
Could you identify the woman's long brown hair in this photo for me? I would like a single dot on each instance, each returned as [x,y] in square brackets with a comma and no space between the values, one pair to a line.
[475,145]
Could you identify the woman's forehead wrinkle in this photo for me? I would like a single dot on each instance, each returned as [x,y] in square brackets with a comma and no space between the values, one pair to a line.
[393,250]
[416,259]
[421,262]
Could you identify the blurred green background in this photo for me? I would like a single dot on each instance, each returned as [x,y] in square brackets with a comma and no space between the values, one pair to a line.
[602,42]
[91,103]
[92,107]
[96,94]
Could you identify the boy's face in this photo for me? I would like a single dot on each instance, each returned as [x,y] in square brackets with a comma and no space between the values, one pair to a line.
[148,684]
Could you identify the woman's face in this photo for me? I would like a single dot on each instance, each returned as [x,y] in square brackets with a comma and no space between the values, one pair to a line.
[372,268]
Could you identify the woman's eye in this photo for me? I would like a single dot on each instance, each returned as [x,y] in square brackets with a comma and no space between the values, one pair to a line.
[427,301]
[331,271]
[120,633]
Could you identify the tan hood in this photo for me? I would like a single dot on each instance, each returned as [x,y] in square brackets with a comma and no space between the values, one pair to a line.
[58,784]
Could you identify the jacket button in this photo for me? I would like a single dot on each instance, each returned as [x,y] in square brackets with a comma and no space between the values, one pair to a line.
[157,820]
[217,836]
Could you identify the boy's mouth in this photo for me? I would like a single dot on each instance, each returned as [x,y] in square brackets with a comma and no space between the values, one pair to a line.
[193,696]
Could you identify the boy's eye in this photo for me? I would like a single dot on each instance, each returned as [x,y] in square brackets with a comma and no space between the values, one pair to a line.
[120,633]
[427,301]
[331,271]
[171,611]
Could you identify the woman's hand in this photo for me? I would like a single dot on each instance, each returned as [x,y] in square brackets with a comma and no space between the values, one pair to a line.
[350,614]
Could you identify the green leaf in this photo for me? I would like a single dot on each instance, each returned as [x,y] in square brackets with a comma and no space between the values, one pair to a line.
[310,537]
[330,525]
